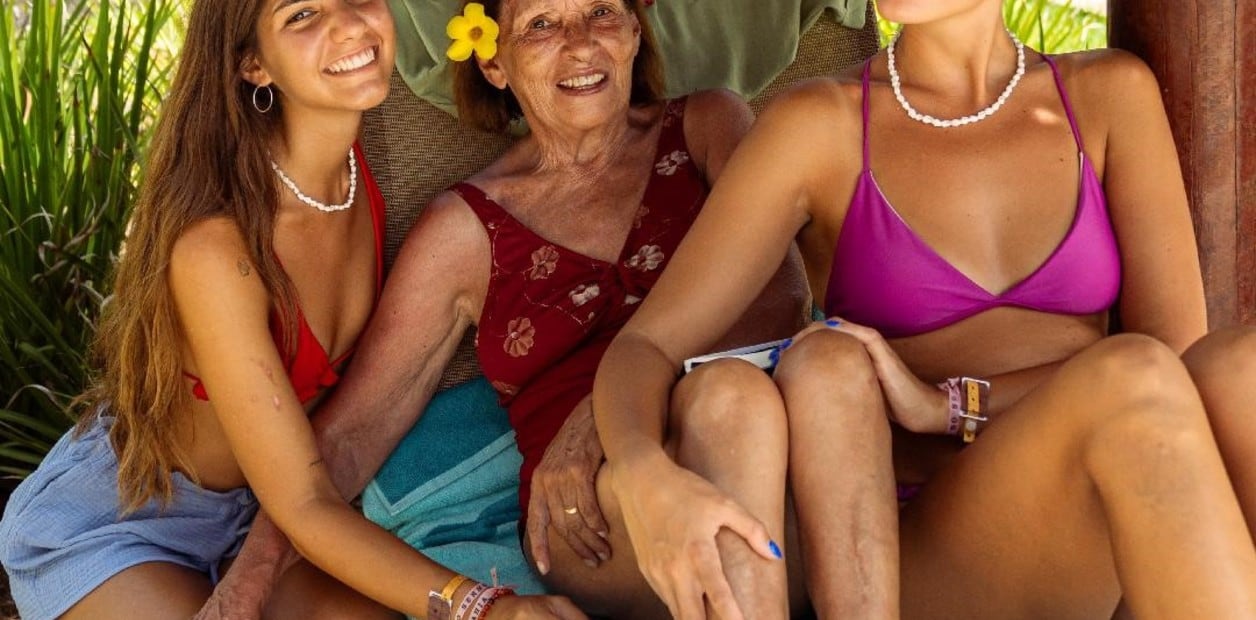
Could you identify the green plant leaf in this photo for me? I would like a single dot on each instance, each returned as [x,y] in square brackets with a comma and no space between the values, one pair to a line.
[78,84]
[1047,26]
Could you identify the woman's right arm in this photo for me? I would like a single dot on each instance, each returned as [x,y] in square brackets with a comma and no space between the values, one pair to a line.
[224,312]
[769,191]
[426,304]
[224,308]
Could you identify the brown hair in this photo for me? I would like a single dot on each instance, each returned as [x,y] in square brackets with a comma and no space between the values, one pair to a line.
[208,158]
[484,106]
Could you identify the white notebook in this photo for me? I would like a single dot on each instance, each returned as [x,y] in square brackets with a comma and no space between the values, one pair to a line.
[758,354]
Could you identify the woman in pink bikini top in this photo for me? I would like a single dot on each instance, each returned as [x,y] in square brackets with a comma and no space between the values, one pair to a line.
[973,216]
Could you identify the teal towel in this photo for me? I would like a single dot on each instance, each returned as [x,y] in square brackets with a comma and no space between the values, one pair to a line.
[736,44]
[451,488]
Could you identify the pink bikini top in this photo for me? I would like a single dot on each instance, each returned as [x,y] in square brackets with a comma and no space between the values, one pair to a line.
[309,368]
[884,276]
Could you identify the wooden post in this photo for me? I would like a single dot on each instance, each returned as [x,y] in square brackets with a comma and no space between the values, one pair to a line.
[1209,89]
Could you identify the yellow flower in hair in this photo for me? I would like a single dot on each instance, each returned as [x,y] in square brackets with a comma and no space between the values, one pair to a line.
[473,31]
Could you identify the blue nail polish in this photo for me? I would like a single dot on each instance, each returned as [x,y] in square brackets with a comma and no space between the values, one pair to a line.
[776,551]
[832,322]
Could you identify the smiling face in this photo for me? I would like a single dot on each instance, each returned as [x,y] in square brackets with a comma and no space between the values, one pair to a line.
[324,54]
[568,62]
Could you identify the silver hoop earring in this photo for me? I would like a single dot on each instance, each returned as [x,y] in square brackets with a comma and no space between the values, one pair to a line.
[270,99]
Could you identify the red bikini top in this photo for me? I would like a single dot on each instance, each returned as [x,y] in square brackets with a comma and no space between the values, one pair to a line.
[308,367]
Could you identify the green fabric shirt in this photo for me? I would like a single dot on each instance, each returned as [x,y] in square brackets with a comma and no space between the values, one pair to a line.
[736,44]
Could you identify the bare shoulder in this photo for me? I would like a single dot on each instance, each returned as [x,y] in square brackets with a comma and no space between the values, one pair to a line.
[447,232]
[715,104]
[1103,64]
[1109,79]
[448,216]
[715,123]
[812,120]
[212,272]
[446,256]
[208,248]
[814,102]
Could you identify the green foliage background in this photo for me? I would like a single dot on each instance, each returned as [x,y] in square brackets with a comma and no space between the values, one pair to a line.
[1049,27]
[80,81]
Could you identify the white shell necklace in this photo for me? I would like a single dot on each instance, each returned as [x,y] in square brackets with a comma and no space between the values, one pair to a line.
[325,208]
[895,83]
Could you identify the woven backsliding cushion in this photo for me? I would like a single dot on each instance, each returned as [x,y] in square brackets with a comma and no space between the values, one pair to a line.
[825,49]
[415,150]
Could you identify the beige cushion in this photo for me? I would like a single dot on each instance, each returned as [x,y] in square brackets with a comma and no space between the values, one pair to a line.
[415,150]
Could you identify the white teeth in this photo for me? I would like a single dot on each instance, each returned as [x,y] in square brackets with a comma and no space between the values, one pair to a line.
[583,81]
[356,61]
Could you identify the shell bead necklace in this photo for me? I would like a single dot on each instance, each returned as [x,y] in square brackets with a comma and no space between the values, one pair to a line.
[322,206]
[896,85]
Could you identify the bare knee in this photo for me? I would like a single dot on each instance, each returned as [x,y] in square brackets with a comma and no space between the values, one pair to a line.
[720,393]
[1145,417]
[1223,357]
[1223,365]
[828,373]
[822,356]
[1132,372]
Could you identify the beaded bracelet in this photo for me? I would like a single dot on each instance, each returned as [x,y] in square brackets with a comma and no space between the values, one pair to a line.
[486,600]
[469,599]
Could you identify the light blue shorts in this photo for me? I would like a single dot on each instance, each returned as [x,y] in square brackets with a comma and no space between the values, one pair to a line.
[62,534]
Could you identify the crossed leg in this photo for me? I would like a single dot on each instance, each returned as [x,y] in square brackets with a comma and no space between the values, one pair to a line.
[1103,480]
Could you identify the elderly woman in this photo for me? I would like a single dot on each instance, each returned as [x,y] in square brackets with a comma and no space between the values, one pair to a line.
[970,213]
[548,252]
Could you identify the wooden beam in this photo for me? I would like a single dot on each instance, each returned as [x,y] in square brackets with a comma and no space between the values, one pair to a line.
[1245,77]
[1209,89]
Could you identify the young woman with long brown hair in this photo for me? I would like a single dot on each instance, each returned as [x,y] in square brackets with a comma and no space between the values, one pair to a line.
[239,295]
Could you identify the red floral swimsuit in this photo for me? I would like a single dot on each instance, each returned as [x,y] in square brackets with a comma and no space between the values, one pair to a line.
[551,312]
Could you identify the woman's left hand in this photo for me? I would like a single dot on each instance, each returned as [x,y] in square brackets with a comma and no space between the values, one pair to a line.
[564,492]
[912,403]
[250,577]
